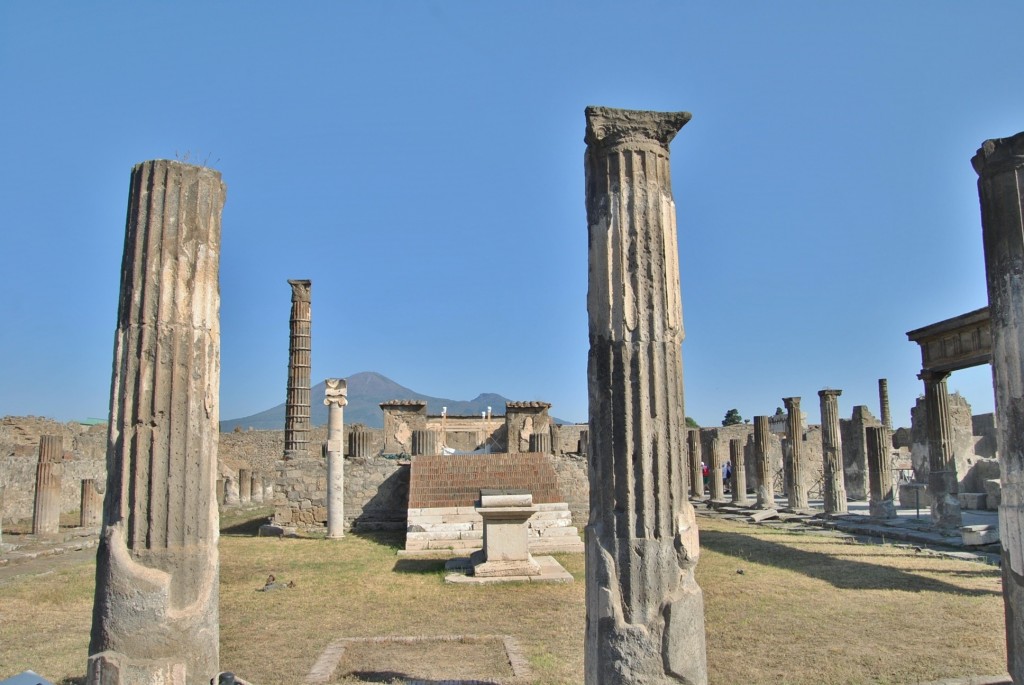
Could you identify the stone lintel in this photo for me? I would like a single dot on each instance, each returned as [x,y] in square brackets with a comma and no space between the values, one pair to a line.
[956,343]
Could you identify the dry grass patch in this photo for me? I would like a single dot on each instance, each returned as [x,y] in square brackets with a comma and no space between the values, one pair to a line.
[807,609]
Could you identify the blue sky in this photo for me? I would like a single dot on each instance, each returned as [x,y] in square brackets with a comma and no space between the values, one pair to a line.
[422,164]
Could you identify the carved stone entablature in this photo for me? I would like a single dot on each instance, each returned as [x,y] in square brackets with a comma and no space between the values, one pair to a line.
[410,405]
[957,343]
[336,392]
[526,406]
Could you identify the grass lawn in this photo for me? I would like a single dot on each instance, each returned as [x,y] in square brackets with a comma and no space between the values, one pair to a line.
[805,609]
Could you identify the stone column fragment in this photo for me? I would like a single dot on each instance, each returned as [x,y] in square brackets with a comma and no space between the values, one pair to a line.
[765,473]
[716,483]
[738,481]
[883,401]
[880,501]
[335,397]
[244,486]
[155,618]
[942,477]
[540,443]
[832,452]
[256,488]
[645,611]
[694,456]
[46,509]
[425,441]
[795,466]
[360,443]
[297,405]
[91,509]
[1000,167]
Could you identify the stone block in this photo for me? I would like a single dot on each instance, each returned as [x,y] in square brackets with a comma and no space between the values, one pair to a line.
[423,519]
[993,494]
[979,535]
[453,544]
[913,494]
[560,532]
[971,500]
[552,506]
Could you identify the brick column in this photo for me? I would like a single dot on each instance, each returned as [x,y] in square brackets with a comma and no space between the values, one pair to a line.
[832,452]
[155,616]
[796,469]
[297,404]
[645,611]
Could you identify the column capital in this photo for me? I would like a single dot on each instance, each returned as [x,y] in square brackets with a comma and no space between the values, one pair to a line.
[336,392]
[300,290]
[933,377]
[829,393]
[998,155]
[609,128]
[792,403]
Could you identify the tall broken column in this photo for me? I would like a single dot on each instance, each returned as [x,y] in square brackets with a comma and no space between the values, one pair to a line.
[1000,164]
[765,472]
[155,618]
[91,507]
[335,397]
[694,459]
[796,467]
[738,480]
[832,452]
[883,401]
[942,478]
[880,499]
[645,611]
[49,470]
[297,404]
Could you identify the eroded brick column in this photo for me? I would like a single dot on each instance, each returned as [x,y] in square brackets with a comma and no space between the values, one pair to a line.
[297,405]
[335,397]
[49,471]
[942,478]
[880,499]
[155,618]
[91,509]
[694,455]
[1000,167]
[645,611]
[765,473]
[795,435]
[832,452]
[738,481]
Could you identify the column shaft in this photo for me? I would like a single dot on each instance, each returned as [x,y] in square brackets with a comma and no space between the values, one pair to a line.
[540,443]
[157,568]
[795,434]
[46,509]
[425,441]
[880,501]
[645,615]
[765,472]
[335,397]
[359,443]
[942,477]
[297,403]
[91,509]
[883,401]
[244,486]
[738,482]
[696,472]
[832,452]
[716,484]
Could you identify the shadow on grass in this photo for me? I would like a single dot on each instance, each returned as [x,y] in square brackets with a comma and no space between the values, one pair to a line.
[72,681]
[249,527]
[422,566]
[840,573]
[392,539]
[396,677]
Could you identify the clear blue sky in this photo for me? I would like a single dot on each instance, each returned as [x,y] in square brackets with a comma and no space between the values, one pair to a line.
[422,164]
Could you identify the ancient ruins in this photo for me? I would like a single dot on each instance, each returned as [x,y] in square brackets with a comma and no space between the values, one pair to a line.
[297,404]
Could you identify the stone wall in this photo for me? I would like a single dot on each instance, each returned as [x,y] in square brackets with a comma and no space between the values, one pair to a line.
[970,478]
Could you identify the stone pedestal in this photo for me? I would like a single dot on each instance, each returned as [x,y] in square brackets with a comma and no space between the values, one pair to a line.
[645,611]
[155,618]
[91,509]
[297,404]
[880,483]
[360,444]
[795,466]
[738,481]
[540,443]
[942,478]
[765,473]
[506,549]
[832,452]
[244,486]
[1000,166]
[425,442]
[694,459]
[335,397]
[46,511]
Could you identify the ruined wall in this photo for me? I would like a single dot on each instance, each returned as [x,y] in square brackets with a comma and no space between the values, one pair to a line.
[971,469]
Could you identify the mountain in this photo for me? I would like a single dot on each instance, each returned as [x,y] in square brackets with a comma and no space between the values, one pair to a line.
[366,391]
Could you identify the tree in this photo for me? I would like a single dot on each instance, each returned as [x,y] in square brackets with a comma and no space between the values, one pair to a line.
[690,423]
[732,417]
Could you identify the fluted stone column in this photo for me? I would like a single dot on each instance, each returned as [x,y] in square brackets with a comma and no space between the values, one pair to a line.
[716,484]
[832,452]
[942,477]
[694,455]
[424,441]
[765,474]
[999,164]
[883,401]
[540,443]
[297,405]
[738,481]
[584,444]
[360,443]
[244,486]
[91,509]
[335,397]
[49,470]
[795,434]
[218,491]
[155,618]
[232,493]
[645,611]
[880,495]
[256,488]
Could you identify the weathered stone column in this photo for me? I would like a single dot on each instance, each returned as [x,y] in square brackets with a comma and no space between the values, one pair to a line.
[942,477]
[584,444]
[540,443]
[999,165]
[155,618]
[883,401]
[360,443]
[832,452]
[645,611]
[693,452]
[335,397]
[49,470]
[244,486]
[91,509]
[765,474]
[256,488]
[716,483]
[424,441]
[880,500]
[795,434]
[738,481]
[218,491]
[232,493]
[297,404]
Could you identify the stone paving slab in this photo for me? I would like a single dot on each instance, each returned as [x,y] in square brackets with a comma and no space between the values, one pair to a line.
[550,572]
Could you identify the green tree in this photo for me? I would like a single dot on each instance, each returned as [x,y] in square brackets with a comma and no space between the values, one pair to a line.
[690,423]
[732,417]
